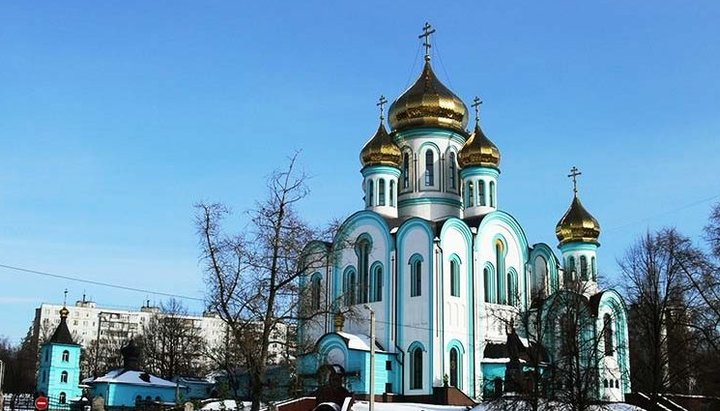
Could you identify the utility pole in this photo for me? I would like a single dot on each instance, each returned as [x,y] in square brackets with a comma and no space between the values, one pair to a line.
[372,357]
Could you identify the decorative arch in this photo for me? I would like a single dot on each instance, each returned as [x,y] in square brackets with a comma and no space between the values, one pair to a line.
[416,275]
[349,290]
[553,280]
[500,249]
[490,287]
[455,263]
[376,282]
[429,157]
[456,352]
[416,356]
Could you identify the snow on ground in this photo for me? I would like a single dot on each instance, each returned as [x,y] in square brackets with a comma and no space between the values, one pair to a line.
[404,406]
[496,406]
[225,405]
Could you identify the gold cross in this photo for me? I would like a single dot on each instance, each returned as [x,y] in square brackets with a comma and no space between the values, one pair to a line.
[476,105]
[381,103]
[427,31]
[574,172]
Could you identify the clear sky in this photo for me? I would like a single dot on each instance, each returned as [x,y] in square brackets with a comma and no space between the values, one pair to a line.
[116,117]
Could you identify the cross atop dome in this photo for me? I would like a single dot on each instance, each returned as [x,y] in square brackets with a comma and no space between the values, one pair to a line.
[427,31]
[574,173]
[381,103]
[476,105]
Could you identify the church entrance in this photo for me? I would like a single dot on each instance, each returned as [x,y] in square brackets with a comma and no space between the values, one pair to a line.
[455,371]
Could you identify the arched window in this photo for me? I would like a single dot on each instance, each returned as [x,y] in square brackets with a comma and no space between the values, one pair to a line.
[416,368]
[605,383]
[500,274]
[429,168]
[489,285]
[608,335]
[513,296]
[378,284]
[363,253]
[350,286]
[583,267]
[406,171]
[315,292]
[539,277]
[138,399]
[66,356]
[593,269]
[454,278]
[481,192]
[381,192]
[455,376]
[370,195]
[570,274]
[62,398]
[492,194]
[392,193]
[64,376]
[415,276]
[470,195]
[452,172]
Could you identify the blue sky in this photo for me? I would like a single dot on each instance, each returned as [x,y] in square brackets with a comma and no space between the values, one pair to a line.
[116,117]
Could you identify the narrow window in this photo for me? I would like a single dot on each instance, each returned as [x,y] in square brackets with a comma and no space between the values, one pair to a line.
[392,193]
[593,269]
[350,287]
[370,193]
[378,280]
[488,285]
[388,365]
[406,171]
[381,192]
[64,376]
[315,293]
[429,168]
[415,278]
[583,267]
[571,268]
[363,253]
[66,356]
[608,335]
[500,266]
[471,194]
[454,278]
[492,194]
[452,172]
[62,398]
[512,288]
[416,369]
[605,383]
[481,192]
[455,377]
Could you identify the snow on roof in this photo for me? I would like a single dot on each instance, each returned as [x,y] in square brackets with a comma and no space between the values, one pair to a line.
[400,406]
[121,376]
[359,342]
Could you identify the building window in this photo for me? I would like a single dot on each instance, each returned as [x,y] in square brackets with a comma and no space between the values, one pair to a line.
[370,193]
[64,376]
[608,335]
[62,398]
[455,369]
[471,194]
[47,355]
[454,278]
[452,172]
[388,365]
[593,269]
[492,194]
[378,284]
[392,193]
[570,268]
[350,286]
[513,296]
[416,369]
[605,383]
[489,286]
[406,171]
[583,267]
[66,356]
[315,292]
[500,266]
[381,192]
[481,192]
[429,168]
[363,253]
[415,276]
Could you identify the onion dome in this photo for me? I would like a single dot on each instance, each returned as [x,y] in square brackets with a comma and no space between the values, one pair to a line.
[428,103]
[577,225]
[381,150]
[64,312]
[479,151]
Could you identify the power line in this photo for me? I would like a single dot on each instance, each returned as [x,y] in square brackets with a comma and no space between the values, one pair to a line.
[100,283]
[651,217]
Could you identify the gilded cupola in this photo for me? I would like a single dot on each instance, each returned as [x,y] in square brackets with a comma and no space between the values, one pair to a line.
[479,151]
[428,103]
[577,225]
[381,150]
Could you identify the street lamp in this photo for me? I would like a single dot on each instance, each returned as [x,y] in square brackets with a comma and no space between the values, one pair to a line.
[372,357]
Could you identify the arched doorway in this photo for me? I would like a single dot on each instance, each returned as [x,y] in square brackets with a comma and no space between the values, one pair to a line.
[455,368]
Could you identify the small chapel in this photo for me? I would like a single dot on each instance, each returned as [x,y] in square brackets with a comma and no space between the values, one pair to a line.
[449,275]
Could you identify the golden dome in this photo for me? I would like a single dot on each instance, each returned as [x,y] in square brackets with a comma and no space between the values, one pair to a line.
[577,225]
[428,103]
[381,150]
[479,151]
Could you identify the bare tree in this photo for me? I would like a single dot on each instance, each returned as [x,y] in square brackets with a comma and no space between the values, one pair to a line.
[656,272]
[172,342]
[253,277]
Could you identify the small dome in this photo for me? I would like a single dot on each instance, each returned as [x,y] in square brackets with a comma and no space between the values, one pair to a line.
[577,225]
[479,151]
[64,312]
[428,103]
[381,150]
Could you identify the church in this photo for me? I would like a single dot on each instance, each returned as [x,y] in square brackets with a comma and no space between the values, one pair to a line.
[449,274]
